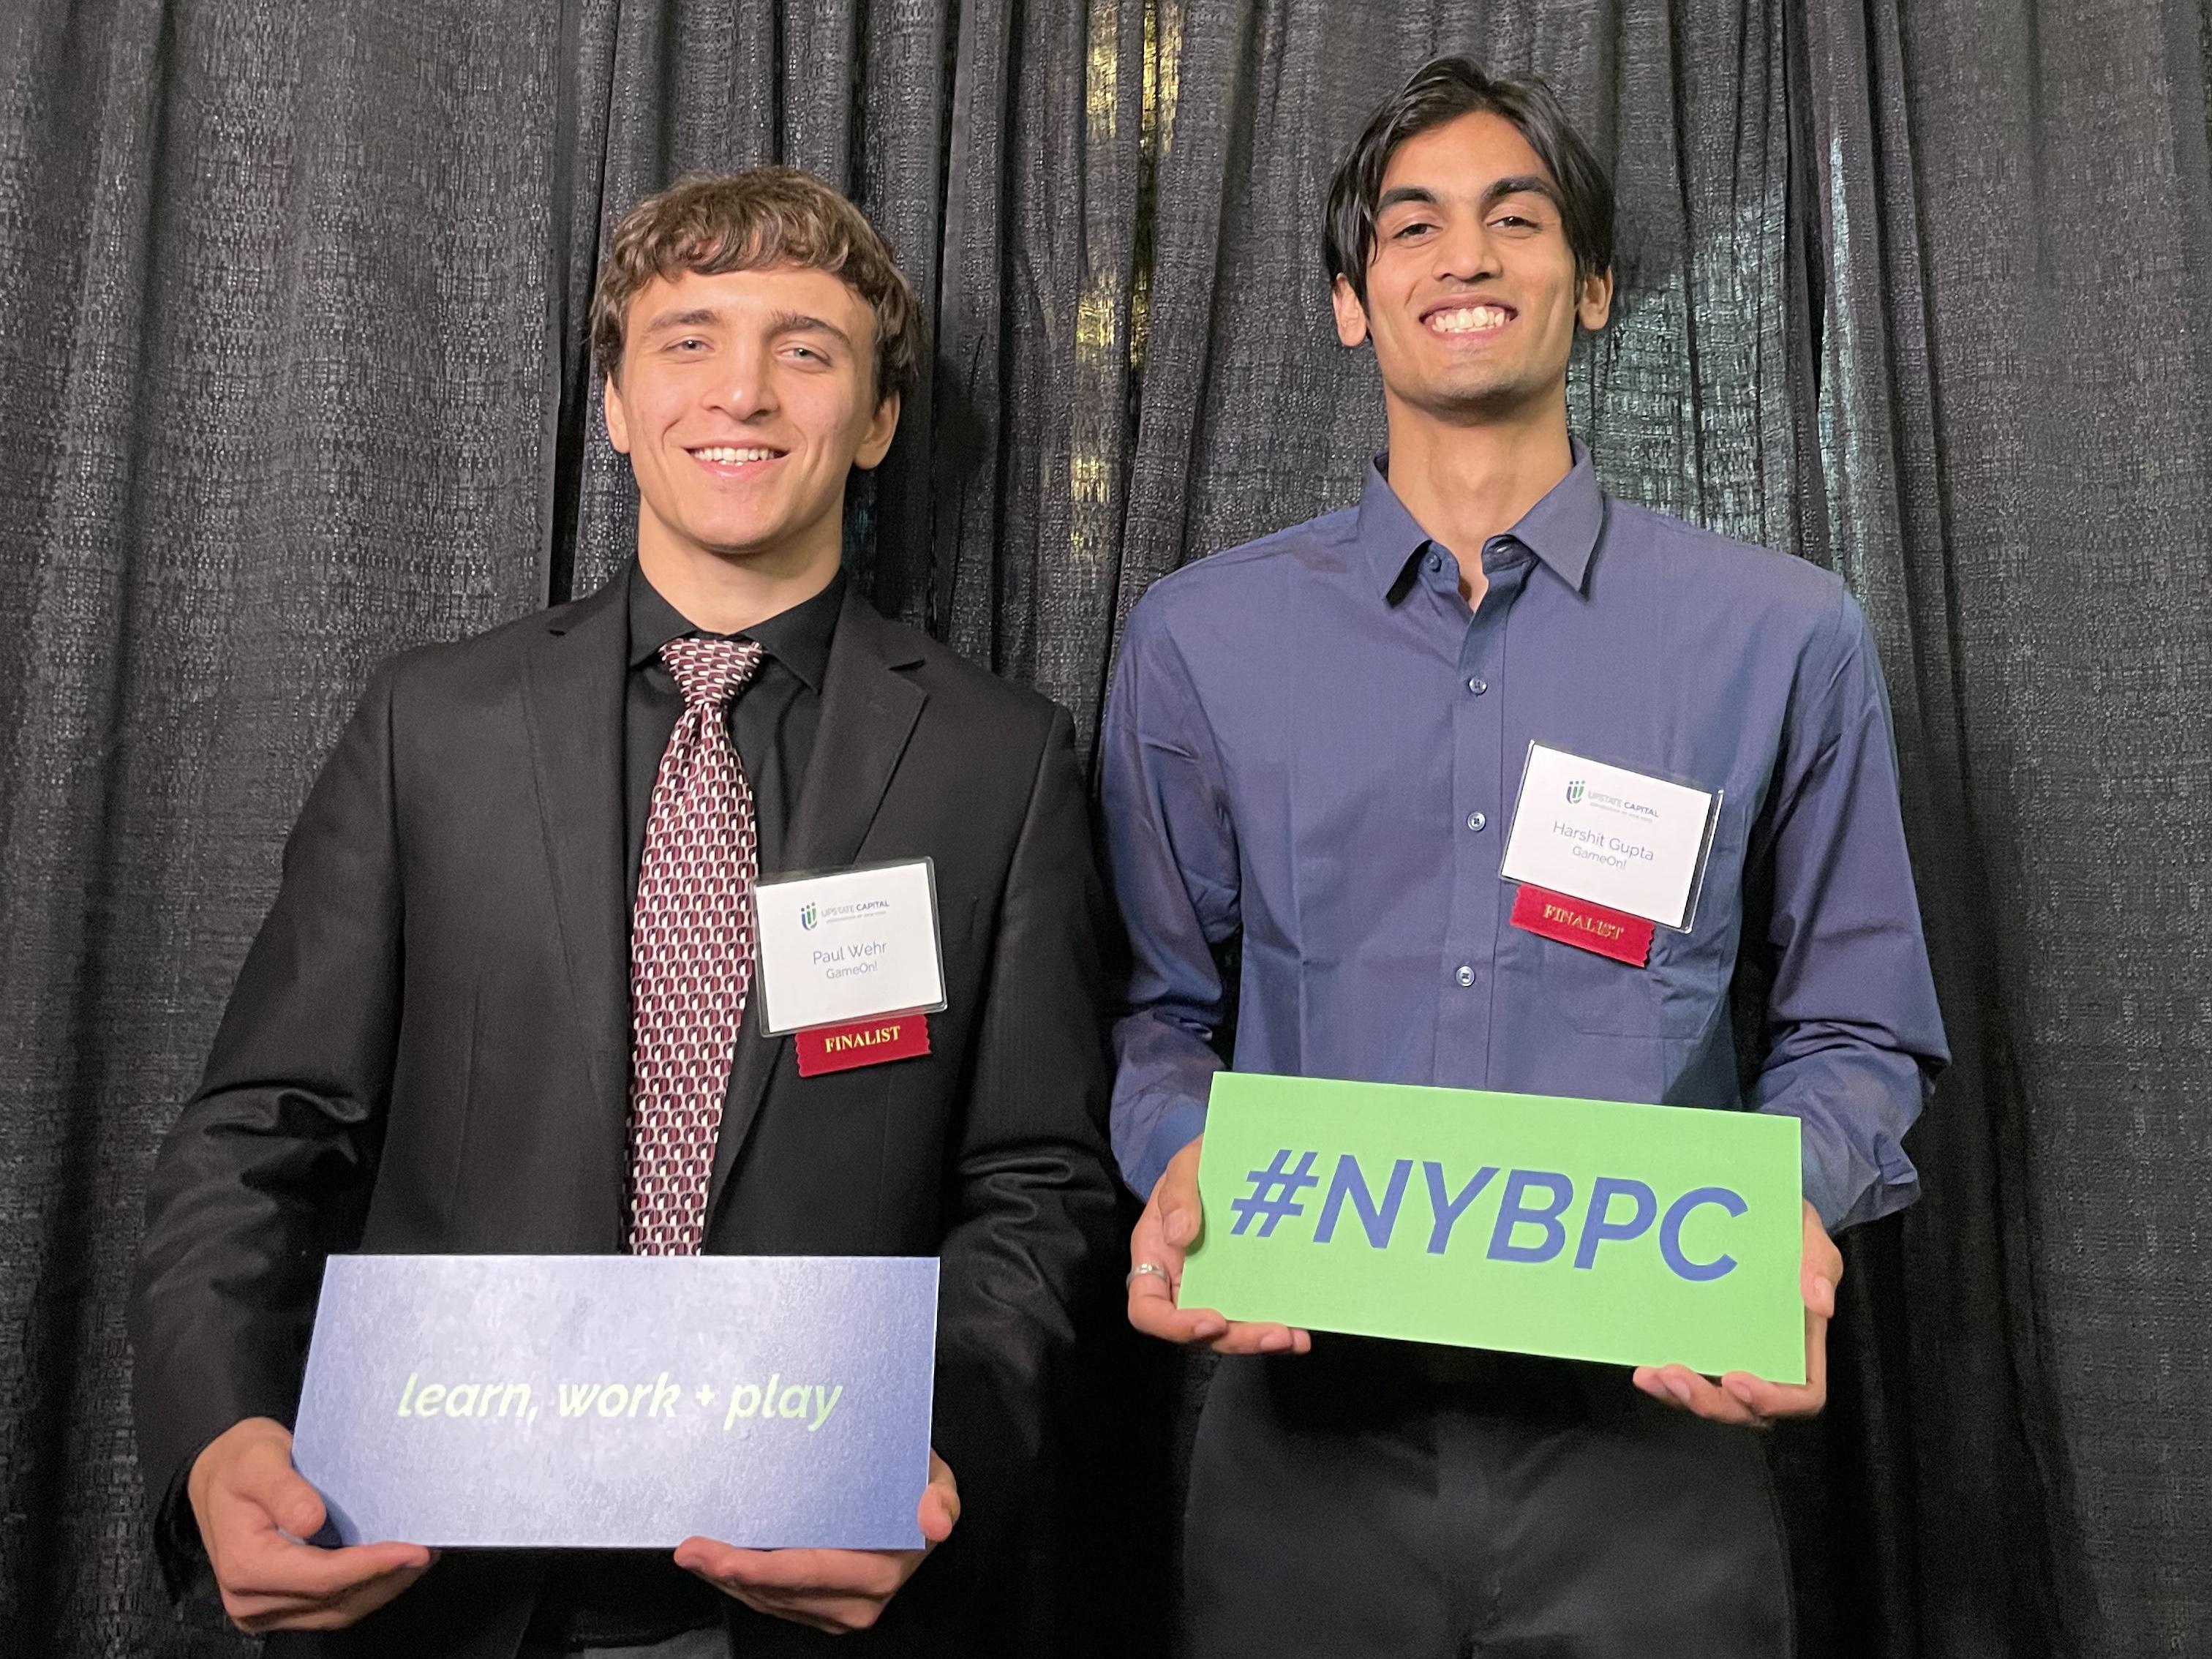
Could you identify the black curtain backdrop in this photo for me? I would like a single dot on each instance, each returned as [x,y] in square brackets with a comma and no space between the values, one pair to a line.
[292,374]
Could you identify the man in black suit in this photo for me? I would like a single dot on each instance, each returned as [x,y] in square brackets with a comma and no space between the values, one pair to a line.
[439,1042]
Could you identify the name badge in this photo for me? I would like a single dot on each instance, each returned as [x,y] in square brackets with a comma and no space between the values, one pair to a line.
[1604,854]
[851,963]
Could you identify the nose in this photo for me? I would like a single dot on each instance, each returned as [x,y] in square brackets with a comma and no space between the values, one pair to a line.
[746,390]
[1465,252]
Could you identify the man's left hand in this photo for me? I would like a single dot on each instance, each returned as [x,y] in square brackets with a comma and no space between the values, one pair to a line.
[839,1591]
[1740,1397]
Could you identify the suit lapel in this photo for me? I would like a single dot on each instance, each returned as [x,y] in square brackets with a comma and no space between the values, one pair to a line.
[868,712]
[575,704]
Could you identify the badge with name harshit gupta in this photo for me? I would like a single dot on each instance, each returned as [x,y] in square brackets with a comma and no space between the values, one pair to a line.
[1606,855]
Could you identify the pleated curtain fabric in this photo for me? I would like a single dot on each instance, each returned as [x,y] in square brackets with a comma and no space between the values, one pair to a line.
[272,328]
[293,373]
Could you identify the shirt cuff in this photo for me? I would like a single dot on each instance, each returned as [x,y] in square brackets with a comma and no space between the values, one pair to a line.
[1842,1190]
[178,1548]
[1175,1129]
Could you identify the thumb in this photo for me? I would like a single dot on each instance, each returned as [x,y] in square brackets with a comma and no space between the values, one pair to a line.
[1177,1194]
[1178,1223]
[1820,1294]
[299,1508]
[1823,1266]
[1823,1270]
[939,1508]
[935,1516]
[270,1481]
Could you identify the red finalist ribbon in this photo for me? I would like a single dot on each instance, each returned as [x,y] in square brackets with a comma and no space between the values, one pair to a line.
[864,1042]
[1612,934]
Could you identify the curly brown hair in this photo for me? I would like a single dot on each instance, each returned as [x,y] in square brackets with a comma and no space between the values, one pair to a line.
[714,222]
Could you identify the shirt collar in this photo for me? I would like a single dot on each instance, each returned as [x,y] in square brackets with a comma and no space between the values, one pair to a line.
[1561,530]
[799,638]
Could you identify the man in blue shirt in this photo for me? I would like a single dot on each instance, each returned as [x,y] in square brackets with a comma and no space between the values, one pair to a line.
[1310,759]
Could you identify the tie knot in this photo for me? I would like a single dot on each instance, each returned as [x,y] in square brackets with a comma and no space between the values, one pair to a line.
[711,671]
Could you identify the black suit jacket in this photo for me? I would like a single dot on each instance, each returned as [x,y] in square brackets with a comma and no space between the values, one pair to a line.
[428,1051]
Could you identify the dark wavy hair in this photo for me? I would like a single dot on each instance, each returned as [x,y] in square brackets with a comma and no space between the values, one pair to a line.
[1443,90]
[713,223]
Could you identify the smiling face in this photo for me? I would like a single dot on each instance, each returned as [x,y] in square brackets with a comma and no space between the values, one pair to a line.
[743,400]
[1472,295]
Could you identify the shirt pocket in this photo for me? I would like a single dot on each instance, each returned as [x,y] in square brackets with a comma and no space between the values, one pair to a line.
[1682,989]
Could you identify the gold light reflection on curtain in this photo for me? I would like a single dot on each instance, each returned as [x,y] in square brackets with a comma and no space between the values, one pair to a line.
[1099,315]
[1156,128]
[1096,325]
[1102,73]
[1113,311]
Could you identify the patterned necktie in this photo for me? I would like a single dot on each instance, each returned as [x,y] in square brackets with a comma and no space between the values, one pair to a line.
[691,949]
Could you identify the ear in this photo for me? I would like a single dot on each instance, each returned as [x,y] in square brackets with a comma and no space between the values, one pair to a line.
[1594,304]
[617,418]
[881,430]
[1351,315]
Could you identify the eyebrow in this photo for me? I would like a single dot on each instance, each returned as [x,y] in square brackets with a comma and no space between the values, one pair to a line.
[1524,183]
[783,322]
[1420,193]
[1519,183]
[797,322]
[697,317]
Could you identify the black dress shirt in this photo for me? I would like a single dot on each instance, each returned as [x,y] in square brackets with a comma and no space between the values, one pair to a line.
[771,721]
[623,1598]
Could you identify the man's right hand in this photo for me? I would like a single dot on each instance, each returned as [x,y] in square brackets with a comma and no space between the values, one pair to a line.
[254,1510]
[1169,1227]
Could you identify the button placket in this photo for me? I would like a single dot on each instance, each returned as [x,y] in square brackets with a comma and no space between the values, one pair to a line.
[1463,1037]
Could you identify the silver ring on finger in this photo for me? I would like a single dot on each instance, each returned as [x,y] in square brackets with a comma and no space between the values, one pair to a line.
[1152,1267]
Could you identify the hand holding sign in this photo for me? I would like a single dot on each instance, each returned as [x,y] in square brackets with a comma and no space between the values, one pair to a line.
[1623,1233]
[839,1591]
[1171,1225]
[1752,1401]
[254,1512]
[622,1402]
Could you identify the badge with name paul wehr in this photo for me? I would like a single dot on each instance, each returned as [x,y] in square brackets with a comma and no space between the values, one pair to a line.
[1604,854]
[850,962]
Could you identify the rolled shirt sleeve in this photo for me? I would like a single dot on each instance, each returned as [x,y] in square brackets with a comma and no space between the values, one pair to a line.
[1171,857]
[1854,1037]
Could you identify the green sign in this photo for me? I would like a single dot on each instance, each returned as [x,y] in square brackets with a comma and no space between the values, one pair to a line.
[1588,1228]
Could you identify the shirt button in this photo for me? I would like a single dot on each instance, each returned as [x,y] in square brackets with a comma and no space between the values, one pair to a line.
[1478,685]
[1435,562]
[1466,975]
[1476,821]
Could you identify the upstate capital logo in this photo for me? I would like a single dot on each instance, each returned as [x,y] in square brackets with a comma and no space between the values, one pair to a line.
[812,915]
[1578,790]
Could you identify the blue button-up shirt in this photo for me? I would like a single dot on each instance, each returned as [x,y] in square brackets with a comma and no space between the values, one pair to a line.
[1311,752]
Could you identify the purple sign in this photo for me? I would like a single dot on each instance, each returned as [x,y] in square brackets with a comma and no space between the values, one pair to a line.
[622,1402]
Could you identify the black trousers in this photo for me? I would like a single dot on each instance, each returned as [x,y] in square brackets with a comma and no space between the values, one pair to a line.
[1388,1499]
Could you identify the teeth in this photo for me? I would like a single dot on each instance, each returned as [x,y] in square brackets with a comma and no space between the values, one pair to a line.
[727,457]
[1468,320]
